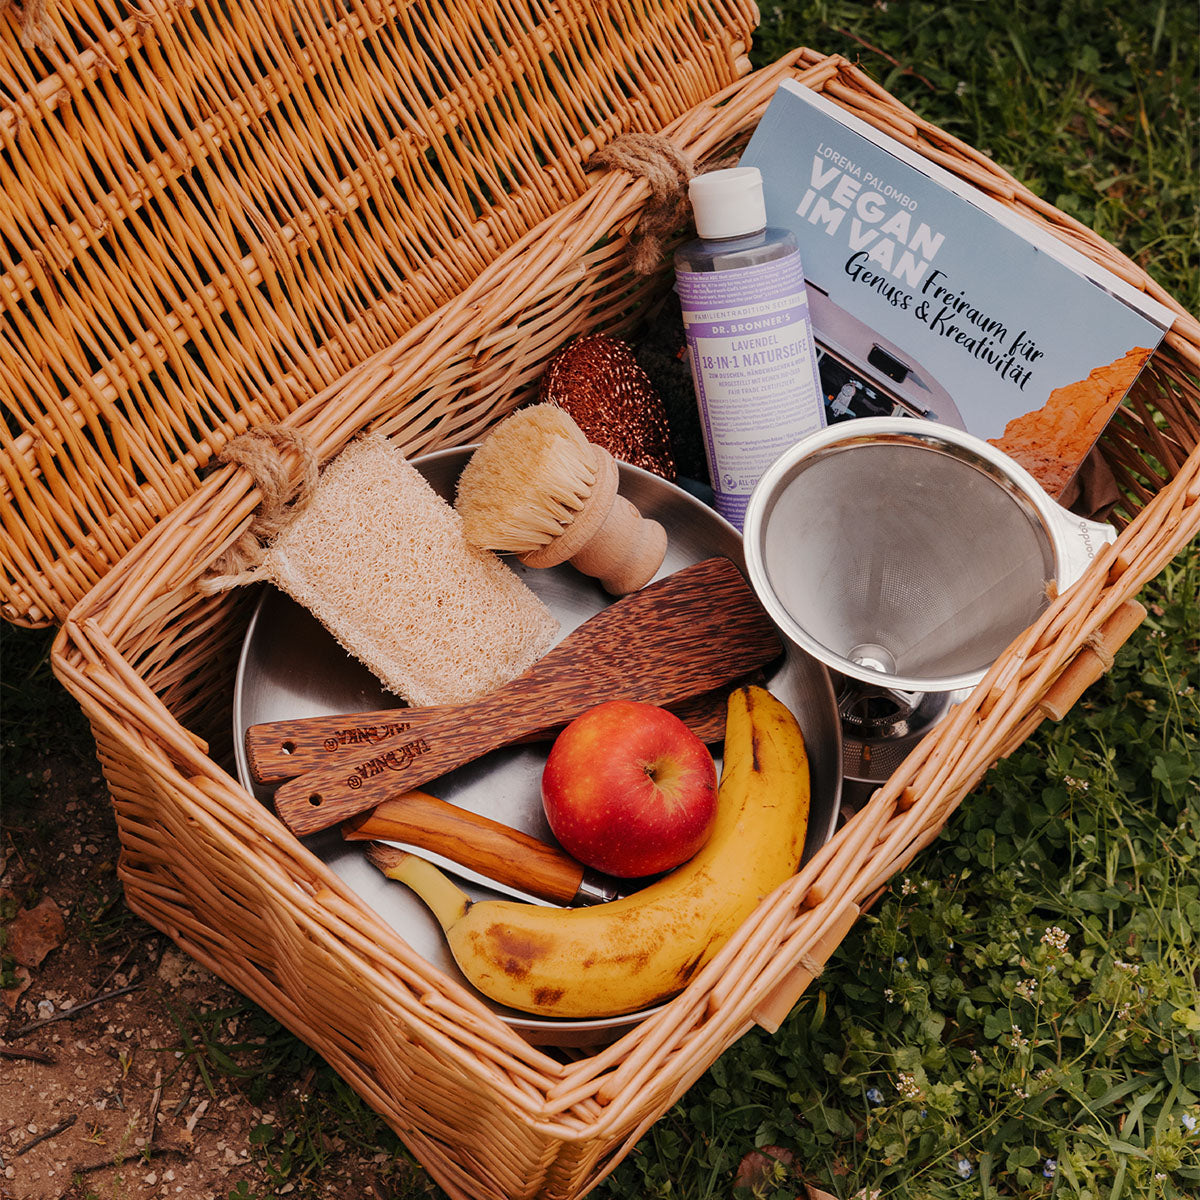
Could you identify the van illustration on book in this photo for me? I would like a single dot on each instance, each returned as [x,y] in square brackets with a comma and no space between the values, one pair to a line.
[864,375]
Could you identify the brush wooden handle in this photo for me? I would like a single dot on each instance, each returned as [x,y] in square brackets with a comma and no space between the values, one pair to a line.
[609,540]
[280,750]
[494,850]
[685,634]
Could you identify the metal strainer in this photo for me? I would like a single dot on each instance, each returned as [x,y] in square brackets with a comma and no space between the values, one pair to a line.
[908,553]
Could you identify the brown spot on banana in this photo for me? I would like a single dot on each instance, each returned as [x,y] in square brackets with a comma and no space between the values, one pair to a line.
[755,752]
[547,997]
[514,950]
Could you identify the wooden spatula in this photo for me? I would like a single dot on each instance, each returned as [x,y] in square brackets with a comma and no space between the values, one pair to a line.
[280,750]
[677,637]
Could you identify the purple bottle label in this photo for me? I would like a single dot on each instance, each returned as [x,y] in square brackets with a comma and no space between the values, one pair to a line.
[753,363]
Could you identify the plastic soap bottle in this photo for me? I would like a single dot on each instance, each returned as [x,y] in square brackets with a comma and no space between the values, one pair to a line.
[749,335]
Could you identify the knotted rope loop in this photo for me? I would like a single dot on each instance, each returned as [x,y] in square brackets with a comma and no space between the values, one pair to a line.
[264,453]
[667,170]
[1096,643]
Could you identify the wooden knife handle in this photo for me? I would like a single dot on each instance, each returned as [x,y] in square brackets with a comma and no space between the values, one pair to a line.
[494,850]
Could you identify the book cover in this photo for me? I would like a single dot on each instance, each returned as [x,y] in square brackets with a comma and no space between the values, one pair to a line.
[930,298]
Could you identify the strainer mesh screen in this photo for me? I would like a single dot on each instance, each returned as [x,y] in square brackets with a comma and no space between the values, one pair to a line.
[910,549]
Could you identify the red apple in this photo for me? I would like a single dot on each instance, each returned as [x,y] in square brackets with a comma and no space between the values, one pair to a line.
[629,789]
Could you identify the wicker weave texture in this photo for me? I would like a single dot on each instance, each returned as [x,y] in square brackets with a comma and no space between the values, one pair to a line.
[151,661]
[212,211]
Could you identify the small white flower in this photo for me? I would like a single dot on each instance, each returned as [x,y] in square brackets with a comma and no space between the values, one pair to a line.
[1026,988]
[907,1086]
[907,887]
[1056,937]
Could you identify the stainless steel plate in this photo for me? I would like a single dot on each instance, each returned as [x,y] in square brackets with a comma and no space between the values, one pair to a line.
[291,667]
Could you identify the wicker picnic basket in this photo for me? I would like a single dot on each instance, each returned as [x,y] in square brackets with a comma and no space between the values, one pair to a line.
[337,217]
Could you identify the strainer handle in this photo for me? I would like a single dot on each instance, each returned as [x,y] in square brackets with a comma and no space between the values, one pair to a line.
[1081,540]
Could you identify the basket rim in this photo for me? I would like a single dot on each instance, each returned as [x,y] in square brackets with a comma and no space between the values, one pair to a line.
[860,857]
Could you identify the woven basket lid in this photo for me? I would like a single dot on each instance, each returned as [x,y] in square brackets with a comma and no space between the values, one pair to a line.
[213,212]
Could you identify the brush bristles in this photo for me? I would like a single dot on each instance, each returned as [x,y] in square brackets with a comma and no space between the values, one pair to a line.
[526,482]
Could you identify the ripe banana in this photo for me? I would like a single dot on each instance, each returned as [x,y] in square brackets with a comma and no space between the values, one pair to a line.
[621,956]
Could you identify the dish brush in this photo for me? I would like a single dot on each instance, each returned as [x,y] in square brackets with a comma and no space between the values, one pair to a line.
[537,488]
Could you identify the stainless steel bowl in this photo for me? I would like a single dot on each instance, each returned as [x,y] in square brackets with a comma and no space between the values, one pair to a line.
[290,667]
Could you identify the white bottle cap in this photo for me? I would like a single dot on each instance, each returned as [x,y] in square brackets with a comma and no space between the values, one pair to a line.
[728,203]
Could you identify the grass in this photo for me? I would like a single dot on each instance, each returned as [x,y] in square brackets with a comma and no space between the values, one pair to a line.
[1019,1015]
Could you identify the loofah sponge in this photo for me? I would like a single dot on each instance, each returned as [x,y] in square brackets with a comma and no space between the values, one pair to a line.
[379,558]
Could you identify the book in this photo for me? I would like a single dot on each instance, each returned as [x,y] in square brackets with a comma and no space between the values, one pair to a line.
[929,298]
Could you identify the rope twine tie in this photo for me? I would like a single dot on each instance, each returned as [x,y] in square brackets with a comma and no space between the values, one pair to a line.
[667,170]
[36,23]
[262,452]
[1099,647]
